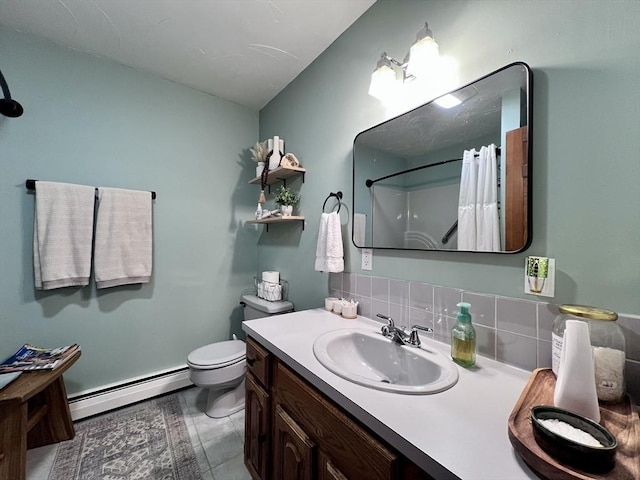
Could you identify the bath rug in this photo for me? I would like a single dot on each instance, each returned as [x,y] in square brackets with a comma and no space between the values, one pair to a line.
[146,441]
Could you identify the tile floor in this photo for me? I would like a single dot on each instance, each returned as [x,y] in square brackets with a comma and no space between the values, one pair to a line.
[218,443]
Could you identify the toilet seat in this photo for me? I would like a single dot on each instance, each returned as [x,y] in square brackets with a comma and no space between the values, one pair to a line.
[217,355]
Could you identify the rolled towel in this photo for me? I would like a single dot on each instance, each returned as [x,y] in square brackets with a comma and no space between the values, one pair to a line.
[123,247]
[62,234]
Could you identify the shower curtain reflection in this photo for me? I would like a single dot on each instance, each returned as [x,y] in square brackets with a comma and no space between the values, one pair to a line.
[478,222]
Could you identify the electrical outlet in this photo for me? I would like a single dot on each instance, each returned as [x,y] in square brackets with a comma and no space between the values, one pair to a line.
[367,259]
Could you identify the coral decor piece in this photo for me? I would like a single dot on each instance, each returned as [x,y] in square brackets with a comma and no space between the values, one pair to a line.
[289,160]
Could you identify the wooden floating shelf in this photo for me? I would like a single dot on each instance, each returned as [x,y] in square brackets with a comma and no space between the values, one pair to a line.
[292,218]
[280,174]
[270,220]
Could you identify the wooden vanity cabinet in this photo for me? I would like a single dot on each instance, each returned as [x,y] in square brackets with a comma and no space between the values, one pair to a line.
[293,431]
[293,450]
[257,427]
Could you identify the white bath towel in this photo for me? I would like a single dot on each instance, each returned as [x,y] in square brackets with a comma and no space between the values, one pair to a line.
[123,246]
[329,251]
[62,234]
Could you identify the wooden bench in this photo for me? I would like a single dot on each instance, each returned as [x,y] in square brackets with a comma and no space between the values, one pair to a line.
[33,412]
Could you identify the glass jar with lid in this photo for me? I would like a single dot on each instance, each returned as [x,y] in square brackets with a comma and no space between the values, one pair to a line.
[607,342]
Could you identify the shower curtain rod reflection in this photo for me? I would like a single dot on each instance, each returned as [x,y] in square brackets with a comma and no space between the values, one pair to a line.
[370,182]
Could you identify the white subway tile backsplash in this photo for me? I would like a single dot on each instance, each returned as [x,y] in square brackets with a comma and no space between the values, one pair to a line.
[422,317]
[400,314]
[517,350]
[379,307]
[363,286]
[486,341]
[547,312]
[442,328]
[348,283]
[335,281]
[516,316]
[421,296]
[364,306]
[399,292]
[380,289]
[544,353]
[483,308]
[446,300]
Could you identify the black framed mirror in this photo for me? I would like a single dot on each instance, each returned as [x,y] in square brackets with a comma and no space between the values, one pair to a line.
[451,175]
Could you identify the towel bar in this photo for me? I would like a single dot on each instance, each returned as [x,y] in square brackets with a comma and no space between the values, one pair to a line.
[31,185]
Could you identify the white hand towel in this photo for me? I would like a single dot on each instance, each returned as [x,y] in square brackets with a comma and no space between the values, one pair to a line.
[329,250]
[123,246]
[62,234]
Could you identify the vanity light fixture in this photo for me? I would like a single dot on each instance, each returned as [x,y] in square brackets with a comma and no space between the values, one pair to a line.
[383,78]
[420,62]
[424,54]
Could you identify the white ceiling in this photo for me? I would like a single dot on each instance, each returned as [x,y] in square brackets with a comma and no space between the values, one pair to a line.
[245,51]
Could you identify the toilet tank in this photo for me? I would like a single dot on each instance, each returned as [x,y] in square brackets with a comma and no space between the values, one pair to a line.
[255,307]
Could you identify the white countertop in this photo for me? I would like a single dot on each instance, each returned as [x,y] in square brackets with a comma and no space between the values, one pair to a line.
[459,433]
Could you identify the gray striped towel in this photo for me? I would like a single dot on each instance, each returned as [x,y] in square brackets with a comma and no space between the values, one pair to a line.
[62,234]
[123,245]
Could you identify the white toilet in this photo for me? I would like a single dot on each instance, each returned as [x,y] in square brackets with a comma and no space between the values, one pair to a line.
[220,367]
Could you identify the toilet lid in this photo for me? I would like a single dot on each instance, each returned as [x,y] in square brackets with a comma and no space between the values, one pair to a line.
[218,354]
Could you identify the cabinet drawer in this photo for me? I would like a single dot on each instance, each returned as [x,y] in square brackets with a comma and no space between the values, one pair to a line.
[353,451]
[258,363]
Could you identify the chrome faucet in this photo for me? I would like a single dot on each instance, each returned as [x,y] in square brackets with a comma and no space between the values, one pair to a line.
[399,335]
[414,339]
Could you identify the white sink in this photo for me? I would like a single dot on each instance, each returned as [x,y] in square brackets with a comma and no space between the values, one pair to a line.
[367,358]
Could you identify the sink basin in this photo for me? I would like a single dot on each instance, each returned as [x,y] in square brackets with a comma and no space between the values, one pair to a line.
[367,358]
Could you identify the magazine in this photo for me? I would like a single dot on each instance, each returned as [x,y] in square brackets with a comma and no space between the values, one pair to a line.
[7,378]
[32,358]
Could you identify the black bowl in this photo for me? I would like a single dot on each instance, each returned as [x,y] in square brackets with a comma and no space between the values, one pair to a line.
[584,457]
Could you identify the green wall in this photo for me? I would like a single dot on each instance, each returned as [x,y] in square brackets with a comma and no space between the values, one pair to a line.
[586,142]
[93,122]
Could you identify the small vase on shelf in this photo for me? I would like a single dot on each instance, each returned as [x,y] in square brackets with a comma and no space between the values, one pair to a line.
[287,210]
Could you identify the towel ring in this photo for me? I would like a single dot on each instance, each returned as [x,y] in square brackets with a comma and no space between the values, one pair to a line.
[338,196]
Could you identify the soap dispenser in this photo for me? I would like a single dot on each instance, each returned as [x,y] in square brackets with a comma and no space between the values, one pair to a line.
[463,338]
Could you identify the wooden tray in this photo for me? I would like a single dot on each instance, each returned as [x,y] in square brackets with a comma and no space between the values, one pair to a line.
[620,418]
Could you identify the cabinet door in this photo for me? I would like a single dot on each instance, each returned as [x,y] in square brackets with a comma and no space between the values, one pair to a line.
[351,448]
[256,430]
[293,449]
[327,470]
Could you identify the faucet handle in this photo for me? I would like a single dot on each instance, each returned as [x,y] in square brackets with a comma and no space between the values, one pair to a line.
[414,338]
[388,319]
[420,327]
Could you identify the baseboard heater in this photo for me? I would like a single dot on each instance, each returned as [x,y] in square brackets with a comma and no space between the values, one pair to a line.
[87,404]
